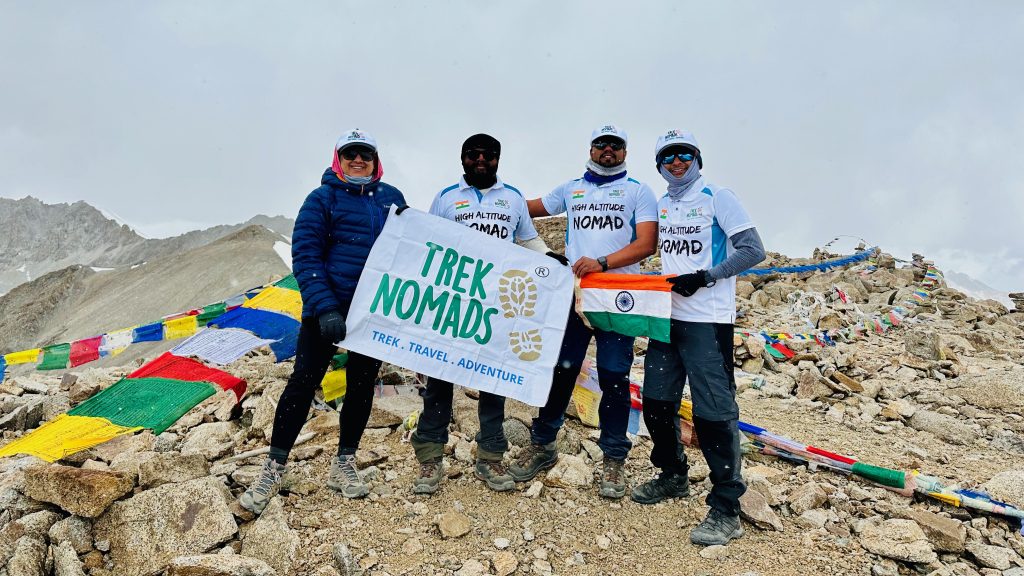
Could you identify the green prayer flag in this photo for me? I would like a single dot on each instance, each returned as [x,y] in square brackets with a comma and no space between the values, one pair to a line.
[154,403]
[339,361]
[288,282]
[55,357]
[210,312]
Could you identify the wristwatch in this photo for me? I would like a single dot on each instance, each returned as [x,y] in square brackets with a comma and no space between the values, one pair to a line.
[603,261]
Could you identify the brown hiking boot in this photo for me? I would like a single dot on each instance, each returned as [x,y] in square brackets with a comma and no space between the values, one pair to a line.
[429,479]
[494,474]
[613,479]
[532,460]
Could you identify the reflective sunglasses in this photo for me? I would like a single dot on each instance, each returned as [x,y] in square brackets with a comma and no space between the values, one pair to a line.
[616,145]
[683,157]
[365,154]
[474,154]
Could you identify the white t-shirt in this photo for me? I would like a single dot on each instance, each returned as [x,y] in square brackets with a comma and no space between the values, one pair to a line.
[693,234]
[499,211]
[602,218]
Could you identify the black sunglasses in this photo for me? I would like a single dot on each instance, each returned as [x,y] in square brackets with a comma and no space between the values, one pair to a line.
[365,154]
[602,144]
[474,154]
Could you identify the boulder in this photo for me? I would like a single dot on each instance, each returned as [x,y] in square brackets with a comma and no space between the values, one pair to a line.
[570,471]
[806,497]
[924,343]
[211,440]
[82,492]
[988,556]
[754,509]
[219,565]
[170,467]
[453,524]
[65,560]
[271,540]
[1007,486]
[945,427]
[28,557]
[73,530]
[151,528]
[810,386]
[898,539]
[945,534]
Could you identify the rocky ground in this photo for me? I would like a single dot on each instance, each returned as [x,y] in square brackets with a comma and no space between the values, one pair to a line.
[942,393]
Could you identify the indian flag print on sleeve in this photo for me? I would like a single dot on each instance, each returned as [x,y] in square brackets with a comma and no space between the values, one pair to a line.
[577,195]
[460,204]
[630,304]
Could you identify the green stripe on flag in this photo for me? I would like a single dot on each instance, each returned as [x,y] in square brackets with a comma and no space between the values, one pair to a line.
[288,282]
[210,312]
[153,403]
[55,357]
[631,324]
[775,353]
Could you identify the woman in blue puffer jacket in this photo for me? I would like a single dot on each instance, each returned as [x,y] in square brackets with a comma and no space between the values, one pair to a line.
[336,227]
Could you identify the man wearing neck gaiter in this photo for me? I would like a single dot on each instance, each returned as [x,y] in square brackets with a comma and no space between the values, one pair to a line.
[483,202]
[706,239]
[611,226]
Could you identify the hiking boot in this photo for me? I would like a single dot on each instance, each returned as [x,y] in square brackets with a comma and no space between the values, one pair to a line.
[613,479]
[494,474]
[532,460]
[717,528]
[345,478]
[666,485]
[429,479]
[265,487]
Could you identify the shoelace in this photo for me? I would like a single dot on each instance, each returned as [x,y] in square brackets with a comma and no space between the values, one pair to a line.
[268,477]
[428,469]
[498,468]
[347,467]
[527,454]
[613,472]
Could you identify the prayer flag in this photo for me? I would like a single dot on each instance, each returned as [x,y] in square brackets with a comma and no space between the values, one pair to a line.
[23,357]
[55,357]
[86,350]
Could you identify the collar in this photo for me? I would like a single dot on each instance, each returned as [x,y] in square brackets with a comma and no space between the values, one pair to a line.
[497,184]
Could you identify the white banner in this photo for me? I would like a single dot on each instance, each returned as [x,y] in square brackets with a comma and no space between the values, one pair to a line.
[450,302]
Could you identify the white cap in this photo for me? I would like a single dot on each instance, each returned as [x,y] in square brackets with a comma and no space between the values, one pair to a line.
[353,137]
[676,137]
[609,130]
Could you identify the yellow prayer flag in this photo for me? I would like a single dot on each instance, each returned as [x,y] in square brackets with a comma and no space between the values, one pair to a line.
[587,402]
[64,436]
[334,384]
[686,410]
[278,300]
[179,327]
[23,357]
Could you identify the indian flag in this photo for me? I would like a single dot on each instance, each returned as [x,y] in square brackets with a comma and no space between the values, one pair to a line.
[577,195]
[460,204]
[630,304]
[664,213]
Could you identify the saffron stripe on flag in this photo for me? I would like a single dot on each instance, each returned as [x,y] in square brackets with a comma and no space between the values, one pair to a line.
[626,282]
[65,435]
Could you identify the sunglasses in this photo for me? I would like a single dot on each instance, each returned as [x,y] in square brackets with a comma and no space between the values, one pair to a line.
[602,144]
[474,154]
[365,154]
[683,157]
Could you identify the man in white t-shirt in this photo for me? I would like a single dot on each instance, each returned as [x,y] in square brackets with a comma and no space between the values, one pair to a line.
[480,200]
[706,239]
[611,225]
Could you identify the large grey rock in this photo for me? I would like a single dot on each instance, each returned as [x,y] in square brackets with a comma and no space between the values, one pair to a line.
[155,526]
[898,539]
[211,440]
[28,558]
[34,525]
[988,556]
[1007,486]
[65,560]
[74,530]
[942,426]
[169,467]
[806,497]
[271,539]
[82,492]
[924,343]
[945,534]
[993,390]
[219,565]
[754,508]
[123,445]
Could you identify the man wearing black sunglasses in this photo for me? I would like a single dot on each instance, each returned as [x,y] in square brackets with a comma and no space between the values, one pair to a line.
[480,200]
[706,239]
[611,226]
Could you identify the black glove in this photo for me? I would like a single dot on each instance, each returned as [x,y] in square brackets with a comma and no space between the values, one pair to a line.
[332,326]
[401,209]
[561,259]
[688,284]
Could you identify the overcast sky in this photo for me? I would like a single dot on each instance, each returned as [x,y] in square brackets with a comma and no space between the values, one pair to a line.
[898,122]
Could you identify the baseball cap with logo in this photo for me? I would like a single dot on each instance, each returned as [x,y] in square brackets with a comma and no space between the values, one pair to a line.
[353,137]
[676,137]
[609,130]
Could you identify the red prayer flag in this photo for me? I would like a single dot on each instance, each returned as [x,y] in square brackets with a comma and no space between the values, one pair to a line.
[85,350]
[168,365]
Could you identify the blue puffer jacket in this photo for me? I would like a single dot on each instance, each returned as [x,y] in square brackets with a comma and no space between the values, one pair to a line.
[336,227]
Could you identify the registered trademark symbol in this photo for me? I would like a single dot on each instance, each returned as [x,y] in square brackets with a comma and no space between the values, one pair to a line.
[542,271]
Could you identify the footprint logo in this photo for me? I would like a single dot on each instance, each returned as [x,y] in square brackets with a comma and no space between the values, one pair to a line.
[527,345]
[517,294]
